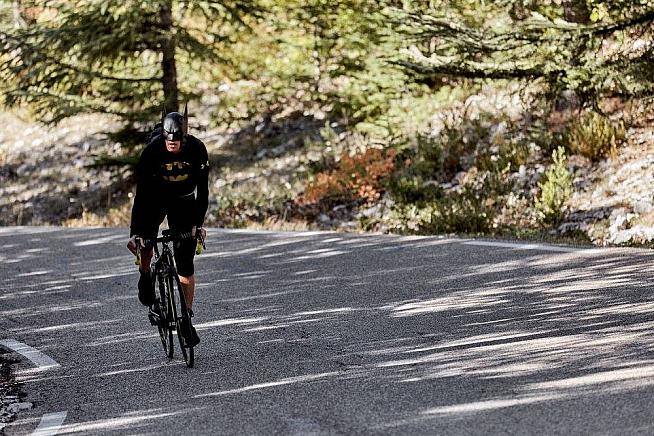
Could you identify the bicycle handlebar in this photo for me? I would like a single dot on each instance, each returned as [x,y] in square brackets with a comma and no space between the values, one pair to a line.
[168,236]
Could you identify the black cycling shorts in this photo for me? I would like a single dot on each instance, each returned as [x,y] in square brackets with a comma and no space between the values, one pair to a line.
[180,213]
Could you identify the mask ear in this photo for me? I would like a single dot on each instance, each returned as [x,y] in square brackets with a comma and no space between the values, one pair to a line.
[185,127]
[163,113]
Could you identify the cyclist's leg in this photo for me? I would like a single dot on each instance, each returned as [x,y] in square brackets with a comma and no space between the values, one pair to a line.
[146,259]
[151,230]
[180,220]
[146,281]
[188,285]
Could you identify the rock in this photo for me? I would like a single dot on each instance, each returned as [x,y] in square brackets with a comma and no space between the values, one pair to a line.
[370,212]
[639,234]
[24,170]
[643,206]
[18,407]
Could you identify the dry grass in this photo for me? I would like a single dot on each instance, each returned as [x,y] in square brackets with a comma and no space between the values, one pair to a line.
[114,217]
[275,224]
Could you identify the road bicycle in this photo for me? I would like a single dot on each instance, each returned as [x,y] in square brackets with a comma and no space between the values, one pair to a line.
[169,313]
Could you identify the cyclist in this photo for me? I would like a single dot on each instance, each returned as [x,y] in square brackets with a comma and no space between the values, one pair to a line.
[172,182]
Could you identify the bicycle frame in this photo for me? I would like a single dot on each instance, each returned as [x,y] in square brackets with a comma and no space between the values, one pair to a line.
[165,275]
[164,265]
[159,258]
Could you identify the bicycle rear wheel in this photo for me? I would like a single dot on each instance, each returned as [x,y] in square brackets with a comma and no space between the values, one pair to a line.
[165,316]
[182,320]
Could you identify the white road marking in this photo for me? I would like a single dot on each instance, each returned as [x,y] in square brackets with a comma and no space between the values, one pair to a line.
[39,359]
[50,424]
[272,232]
[541,247]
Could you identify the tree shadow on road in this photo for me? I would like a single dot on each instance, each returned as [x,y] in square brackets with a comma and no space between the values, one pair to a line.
[362,333]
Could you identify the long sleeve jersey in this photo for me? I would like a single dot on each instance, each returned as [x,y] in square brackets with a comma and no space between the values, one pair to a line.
[163,177]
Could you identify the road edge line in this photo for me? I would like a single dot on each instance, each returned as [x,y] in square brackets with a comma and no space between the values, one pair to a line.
[50,422]
[38,358]
[534,247]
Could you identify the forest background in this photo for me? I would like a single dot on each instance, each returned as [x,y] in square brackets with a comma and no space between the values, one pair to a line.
[520,119]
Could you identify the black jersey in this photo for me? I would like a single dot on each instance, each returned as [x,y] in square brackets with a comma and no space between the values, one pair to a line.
[164,177]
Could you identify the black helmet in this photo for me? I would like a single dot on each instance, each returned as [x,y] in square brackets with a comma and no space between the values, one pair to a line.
[175,126]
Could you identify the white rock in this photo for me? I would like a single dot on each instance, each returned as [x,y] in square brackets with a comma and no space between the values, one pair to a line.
[643,206]
[17,407]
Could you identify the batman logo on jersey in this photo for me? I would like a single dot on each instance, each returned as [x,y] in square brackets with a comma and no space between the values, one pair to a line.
[176,171]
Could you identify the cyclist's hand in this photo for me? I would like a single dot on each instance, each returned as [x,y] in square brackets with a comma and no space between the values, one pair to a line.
[134,241]
[200,232]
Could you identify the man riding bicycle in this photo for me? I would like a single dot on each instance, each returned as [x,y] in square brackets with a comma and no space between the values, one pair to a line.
[172,182]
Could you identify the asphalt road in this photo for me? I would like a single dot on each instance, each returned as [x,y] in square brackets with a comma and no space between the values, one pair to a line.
[334,334]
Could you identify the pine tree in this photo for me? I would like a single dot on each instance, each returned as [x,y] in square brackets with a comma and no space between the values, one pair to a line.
[339,50]
[121,57]
[593,47]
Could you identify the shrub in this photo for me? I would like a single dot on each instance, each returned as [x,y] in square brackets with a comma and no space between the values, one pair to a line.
[468,208]
[501,152]
[555,190]
[594,136]
[460,212]
[410,188]
[360,177]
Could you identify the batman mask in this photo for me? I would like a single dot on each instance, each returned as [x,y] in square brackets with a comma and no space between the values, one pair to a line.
[174,127]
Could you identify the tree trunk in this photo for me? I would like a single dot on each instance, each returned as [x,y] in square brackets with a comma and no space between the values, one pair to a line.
[576,11]
[317,76]
[169,69]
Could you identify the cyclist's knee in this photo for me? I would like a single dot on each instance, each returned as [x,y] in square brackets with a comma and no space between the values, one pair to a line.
[184,253]
[185,268]
[186,279]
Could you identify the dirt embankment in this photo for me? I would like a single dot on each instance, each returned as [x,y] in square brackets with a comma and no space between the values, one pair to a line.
[47,177]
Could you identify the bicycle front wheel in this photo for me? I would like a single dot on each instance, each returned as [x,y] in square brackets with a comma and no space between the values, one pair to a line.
[165,316]
[182,321]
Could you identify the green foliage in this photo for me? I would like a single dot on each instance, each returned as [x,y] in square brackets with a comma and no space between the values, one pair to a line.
[594,136]
[555,190]
[461,211]
[458,180]
[88,56]
[555,43]
[487,144]
[602,10]
[411,188]
[321,57]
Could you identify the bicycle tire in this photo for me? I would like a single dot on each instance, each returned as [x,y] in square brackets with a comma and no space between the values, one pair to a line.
[182,317]
[165,330]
